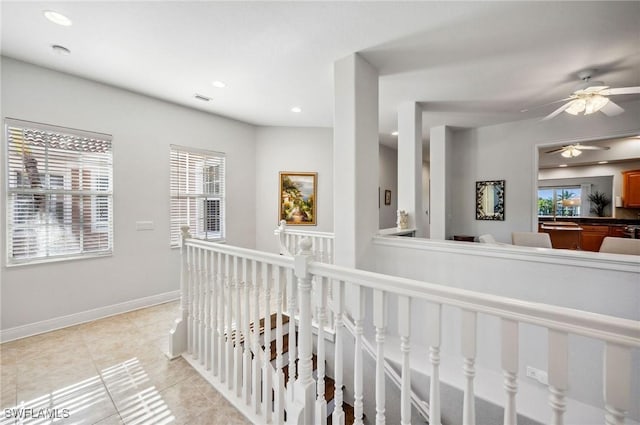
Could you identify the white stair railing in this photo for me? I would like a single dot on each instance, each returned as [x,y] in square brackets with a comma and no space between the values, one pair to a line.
[321,242]
[211,273]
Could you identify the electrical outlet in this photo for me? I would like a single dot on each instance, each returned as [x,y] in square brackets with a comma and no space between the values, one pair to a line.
[539,375]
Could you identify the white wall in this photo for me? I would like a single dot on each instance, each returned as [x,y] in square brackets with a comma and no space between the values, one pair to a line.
[142,265]
[507,152]
[291,149]
[388,180]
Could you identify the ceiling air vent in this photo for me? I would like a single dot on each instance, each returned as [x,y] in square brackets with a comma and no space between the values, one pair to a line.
[202,97]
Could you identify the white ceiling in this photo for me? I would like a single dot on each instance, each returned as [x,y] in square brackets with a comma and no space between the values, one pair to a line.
[626,149]
[468,63]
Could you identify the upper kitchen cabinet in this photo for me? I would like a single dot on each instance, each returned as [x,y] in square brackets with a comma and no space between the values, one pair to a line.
[631,188]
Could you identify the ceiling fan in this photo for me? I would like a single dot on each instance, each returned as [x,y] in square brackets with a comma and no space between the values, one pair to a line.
[571,151]
[591,96]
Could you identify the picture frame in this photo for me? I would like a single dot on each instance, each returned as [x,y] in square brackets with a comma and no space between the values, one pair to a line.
[387,197]
[297,199]
[490,200]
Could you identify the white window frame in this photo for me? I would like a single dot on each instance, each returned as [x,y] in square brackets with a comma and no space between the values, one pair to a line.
[190,172]
[52,138]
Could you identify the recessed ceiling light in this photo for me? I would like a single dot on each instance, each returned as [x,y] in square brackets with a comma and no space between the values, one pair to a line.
[202,97]
[60,50]
[219,84]
[395,133]
[562,165]
[296,109]
[57,18]
[603,162]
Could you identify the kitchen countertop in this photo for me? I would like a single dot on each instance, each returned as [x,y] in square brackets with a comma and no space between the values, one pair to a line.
[605,221]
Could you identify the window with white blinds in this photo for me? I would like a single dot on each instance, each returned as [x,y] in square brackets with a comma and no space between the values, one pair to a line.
[59,192]
[197,193]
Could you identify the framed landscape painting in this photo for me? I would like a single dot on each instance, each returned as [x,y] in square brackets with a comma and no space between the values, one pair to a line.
[298,198]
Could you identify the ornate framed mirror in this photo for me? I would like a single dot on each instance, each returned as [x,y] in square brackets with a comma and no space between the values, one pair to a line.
[490,200]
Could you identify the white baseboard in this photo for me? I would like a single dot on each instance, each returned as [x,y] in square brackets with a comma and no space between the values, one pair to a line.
[84,316]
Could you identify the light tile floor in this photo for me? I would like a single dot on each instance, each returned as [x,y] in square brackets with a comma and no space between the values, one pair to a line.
[111,371]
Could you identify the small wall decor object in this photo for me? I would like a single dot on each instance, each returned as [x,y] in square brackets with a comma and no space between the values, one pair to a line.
[387,197]
[490,200]
[403,219]
[297,203]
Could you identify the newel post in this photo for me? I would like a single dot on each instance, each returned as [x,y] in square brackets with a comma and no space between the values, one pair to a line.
[281,231]
[304,387]
[178,334]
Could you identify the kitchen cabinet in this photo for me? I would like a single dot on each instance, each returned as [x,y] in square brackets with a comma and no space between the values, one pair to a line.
[631,189]
[592,237]
[616,231]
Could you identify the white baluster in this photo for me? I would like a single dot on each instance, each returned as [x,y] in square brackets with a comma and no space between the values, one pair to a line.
[207,310]
[358,367]
[267,377]
[240,276]
[510,368]
[195,302]
[617,383]
[291,306]
[256,339]
[201,314]
[189,300]
[404,329]
[279,384]
[338,305]
[321,304]
[220,319]
[246,336]
[558,359]
[468,345]
[434,318]
[214,313]
[380,323]
[229,282]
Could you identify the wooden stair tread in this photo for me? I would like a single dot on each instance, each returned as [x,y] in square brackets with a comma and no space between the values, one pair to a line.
[273,319]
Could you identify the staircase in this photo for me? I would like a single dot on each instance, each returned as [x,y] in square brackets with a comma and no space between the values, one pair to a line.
[227,290]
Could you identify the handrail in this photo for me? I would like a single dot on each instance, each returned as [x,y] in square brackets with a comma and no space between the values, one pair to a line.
[593,325]
[278,260]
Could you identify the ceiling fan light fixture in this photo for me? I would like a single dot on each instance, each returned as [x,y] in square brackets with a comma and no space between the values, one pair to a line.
[577,106]
[594,103]
[571,152]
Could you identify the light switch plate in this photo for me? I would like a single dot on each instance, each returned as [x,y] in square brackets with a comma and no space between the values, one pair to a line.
[144,225]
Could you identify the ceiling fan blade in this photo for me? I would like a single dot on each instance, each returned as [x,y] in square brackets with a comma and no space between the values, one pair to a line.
[557,150]
[545,104]
[592,148]
[611,109]
[620,90]
[558,111]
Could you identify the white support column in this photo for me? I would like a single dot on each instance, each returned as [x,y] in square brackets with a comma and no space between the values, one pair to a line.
[410,164]
[355,159]
[438,163]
